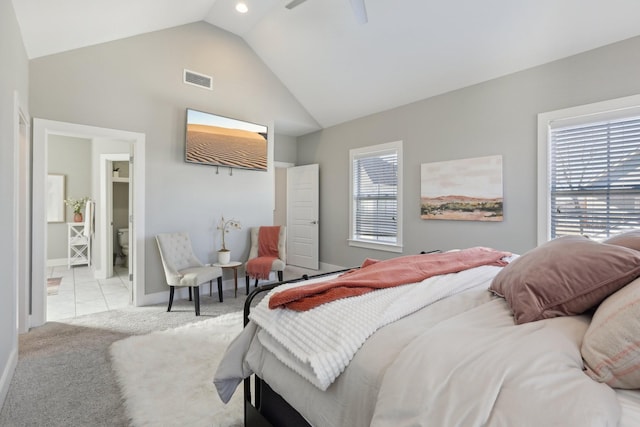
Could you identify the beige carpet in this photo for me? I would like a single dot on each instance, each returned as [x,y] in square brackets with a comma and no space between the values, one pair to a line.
[64,375]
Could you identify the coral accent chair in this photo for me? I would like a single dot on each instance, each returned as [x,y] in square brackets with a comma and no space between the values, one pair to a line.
[278,264]
[182,268]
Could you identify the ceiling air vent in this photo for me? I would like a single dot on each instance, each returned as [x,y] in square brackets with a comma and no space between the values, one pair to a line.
[197,79]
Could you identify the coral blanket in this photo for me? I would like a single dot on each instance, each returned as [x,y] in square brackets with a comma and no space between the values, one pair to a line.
[384,274]
[260,267]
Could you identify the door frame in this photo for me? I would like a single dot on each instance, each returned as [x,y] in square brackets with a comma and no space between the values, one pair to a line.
[42,129]
[22,206]
[280,192]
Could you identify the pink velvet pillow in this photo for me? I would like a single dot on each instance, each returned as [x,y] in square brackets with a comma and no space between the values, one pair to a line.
[630,239]
[565,276]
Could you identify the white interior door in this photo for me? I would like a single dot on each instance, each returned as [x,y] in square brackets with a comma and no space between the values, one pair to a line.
[302,216]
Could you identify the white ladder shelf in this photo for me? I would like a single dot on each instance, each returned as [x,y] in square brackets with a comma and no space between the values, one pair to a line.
[79,248]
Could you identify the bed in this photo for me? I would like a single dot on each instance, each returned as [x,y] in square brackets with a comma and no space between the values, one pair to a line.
[548,338]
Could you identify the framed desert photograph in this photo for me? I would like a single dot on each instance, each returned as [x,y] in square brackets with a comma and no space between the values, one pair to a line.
[222,141]
[466,189]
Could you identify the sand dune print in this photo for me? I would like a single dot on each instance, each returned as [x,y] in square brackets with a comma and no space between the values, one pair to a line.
[226,147]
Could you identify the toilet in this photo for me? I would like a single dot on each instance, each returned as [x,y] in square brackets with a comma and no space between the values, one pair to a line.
[123,241]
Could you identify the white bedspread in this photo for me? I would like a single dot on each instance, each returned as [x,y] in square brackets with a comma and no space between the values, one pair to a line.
[458,362]
[318,344]
[502,375]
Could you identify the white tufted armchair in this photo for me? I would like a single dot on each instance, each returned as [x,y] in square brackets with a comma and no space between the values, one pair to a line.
[182,268]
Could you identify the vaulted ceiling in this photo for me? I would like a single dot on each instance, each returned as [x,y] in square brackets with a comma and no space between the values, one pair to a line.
[340,69]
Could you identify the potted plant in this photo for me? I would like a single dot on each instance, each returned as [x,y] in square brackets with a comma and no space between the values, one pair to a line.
[77,205]
[224,254]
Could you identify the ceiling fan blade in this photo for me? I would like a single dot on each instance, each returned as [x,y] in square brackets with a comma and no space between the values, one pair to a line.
[359,10]
[294,3]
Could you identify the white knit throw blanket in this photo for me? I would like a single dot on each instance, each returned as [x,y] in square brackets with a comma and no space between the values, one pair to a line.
[319,344]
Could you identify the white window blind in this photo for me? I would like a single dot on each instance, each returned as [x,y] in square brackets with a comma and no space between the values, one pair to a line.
[595,178]
[375,194]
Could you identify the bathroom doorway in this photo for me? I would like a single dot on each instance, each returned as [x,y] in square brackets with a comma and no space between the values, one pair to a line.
[116,188]
[78,282]
[42,130]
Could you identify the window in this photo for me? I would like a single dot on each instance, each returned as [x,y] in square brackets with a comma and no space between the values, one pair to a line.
[592,172]
[376,190]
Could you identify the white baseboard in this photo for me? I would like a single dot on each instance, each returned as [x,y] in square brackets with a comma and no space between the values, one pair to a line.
[155,298]
[163,296]
[100,274]
[331,267]
[7,374]
[57,262]
[181,293]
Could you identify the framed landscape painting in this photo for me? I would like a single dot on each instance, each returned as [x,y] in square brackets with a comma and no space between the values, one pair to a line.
[467,189]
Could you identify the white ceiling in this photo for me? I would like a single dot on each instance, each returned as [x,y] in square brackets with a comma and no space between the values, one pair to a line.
[339,69]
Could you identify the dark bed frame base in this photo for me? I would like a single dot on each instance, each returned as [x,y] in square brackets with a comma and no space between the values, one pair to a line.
[271,409]
[268,408]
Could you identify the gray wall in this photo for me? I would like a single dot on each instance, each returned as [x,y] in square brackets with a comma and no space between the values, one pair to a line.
[70,157]
[136,84]
[286,149]
[14,70]
[495,117]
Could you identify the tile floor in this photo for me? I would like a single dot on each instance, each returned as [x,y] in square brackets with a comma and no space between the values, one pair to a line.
[80,293]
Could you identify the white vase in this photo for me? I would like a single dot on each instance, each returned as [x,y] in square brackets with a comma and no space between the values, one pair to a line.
[224,257]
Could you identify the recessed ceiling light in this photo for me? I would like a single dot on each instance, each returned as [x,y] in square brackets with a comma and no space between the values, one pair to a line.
[242,7]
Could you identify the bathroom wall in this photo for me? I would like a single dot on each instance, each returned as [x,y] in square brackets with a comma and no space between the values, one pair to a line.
[70,157]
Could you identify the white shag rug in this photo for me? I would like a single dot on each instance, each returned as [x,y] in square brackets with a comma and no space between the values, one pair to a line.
[166,377]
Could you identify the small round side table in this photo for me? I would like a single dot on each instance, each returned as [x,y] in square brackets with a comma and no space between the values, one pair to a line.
[234,265]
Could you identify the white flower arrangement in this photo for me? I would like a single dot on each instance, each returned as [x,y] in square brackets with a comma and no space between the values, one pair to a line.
[77,204]
[225,226]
